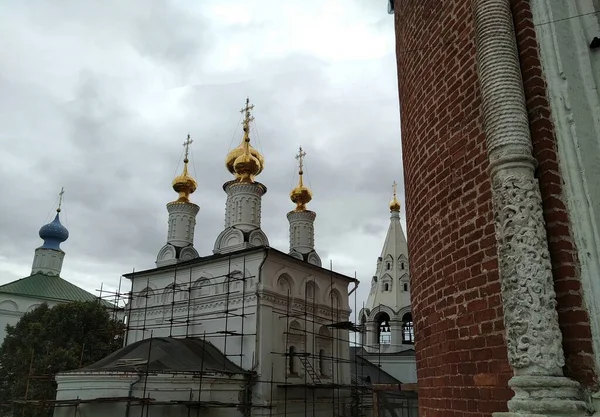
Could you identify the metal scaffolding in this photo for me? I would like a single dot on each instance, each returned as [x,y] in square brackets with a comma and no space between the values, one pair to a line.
[350,397]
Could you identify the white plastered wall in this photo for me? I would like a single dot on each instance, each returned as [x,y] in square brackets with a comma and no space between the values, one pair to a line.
[564,31]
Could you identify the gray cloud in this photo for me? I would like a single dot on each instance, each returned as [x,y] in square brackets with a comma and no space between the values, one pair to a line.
[106,94]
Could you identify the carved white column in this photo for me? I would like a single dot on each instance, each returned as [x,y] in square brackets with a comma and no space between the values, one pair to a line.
[182,222]
[243,207]
[47,261]
[242,217]
[533,336]
[302,235]
[180,237]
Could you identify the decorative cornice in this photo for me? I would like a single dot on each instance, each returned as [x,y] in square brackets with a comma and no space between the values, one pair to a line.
[305,215]
[235,187]
[183,207]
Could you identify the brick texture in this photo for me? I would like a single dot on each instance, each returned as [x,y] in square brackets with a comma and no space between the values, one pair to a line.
[573,317]
[461,352]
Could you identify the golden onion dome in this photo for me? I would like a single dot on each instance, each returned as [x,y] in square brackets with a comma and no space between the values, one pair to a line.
[245,162]
[394,204]
[246,167]
[301,195]
[184,184]
[239,151]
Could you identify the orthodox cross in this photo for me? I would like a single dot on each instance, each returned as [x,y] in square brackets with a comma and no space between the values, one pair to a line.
[394,186]
[300,158]
[247,109]
[187,144]
[60,198]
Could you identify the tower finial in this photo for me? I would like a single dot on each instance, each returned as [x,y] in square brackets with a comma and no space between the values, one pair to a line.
[60,199]
[186,145]
[235,153]
[301,195]
[247,119]
[394,204]
[184,184]
[300,158]
[247,165]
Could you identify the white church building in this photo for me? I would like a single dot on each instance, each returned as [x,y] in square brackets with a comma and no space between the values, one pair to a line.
[44,284]
[245,331]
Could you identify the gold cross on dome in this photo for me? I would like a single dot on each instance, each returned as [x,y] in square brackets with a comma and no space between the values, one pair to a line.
[300,158]
[394,187]
[248,107]
[187,144]
[248,117]
[60,198]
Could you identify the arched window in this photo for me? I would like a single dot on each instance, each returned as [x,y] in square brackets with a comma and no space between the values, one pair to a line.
[408,331]
[291,358]
[384,333]
[386,287]
[389,266]
[310,289]
[322,362]
[145,297]
[402,265]
[405,286]
[169,294]
[284,286]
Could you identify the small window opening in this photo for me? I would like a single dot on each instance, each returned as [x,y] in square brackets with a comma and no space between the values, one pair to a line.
[402,265]
[408,331]
[291,364]
[322,362]
[405,287]
[384,332]
[386,287]
[389,266]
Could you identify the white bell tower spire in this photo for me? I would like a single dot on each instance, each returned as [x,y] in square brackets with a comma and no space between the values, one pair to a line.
[388,303]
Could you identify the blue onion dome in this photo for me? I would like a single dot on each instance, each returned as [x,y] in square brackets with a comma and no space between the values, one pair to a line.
[54,233]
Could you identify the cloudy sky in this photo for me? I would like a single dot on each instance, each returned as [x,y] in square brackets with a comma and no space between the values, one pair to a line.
[99,96]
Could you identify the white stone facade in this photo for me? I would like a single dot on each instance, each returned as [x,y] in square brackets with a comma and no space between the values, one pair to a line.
[564,32]
[302,236]
[242,217]
[180,238]
[267,311]
[47,261]
[12,308]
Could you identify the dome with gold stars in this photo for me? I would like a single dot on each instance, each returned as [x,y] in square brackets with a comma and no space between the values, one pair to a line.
[301,195]
[185,184]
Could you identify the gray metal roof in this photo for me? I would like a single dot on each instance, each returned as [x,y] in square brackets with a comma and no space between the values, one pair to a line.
[364,372]
[167,354]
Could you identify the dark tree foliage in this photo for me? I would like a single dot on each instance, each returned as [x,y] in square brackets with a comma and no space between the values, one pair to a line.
[47,341]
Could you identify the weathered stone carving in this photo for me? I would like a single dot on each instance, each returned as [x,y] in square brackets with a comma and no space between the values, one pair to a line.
[530,317]
[533,336]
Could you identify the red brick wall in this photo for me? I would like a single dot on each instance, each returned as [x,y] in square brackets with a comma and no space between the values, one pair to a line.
[461,353]
[573,317]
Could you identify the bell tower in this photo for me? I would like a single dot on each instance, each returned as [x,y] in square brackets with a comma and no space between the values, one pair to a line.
[386,319]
